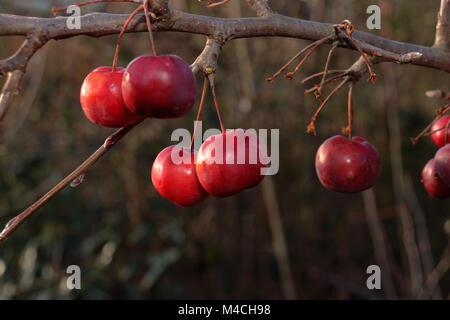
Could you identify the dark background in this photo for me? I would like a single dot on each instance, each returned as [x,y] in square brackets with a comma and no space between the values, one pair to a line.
[133,244]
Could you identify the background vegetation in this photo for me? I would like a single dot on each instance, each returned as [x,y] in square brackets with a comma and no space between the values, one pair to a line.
[133,244]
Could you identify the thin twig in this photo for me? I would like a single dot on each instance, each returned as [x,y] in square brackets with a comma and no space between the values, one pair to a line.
[380,244]
[14,223]
[318,74]
[425,132]
[311,127]
[373,75]
[290,75]
[308,47]
[440,94]
[325,71]
[215,4]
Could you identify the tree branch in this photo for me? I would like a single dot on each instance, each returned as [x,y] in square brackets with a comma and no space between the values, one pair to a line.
[11,89]
[100,24]
[261,7]
[442,40]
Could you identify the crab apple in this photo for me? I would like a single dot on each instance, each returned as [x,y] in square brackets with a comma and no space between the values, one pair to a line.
[159,87]
[177,180]
[439,126]
[101,98]
[345,165]
[230,162]
[433,184]
[442,163]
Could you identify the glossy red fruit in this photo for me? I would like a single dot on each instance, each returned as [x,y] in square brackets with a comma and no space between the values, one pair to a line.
[159,86]
[345,165]
[175,180]
[222,170]
[442,163]
[101,98]
[433,183]
[438,137]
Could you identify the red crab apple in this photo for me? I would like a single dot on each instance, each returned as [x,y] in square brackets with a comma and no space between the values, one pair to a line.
[175,180]
[433,183]
[345,165]
[101,98]
[159,86]
[438,137]
[225,170]
[442,163]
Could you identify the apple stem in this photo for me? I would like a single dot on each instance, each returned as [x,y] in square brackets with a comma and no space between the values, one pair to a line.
[213,91]
[350,110]
[446,132]
[200,108]
[57,10]
[149,26]
[311,46]
[425,132]
[122,32]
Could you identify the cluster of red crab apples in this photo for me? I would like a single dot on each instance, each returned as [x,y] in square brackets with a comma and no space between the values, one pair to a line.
[164,87]
[436,173]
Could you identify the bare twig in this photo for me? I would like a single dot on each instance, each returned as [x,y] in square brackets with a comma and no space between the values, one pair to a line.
[311,127]
[379,242]
[11,89]
[439,94]
[442,39]
[310,47]
[436,275]
[19,60]
[278,237]
[14,223]
[261,7]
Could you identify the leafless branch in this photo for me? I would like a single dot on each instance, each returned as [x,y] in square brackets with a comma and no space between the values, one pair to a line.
[442,39]
[11,89]
[439,94]
[100,24]
[17,221]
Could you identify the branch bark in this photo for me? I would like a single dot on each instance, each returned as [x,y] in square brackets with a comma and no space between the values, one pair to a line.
[100,24]
[442,40]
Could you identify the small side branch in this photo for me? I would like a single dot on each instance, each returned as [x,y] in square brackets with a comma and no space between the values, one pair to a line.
[442,39]
[261,7]
[19,60]
[17,221]
[206,62]
[11,89]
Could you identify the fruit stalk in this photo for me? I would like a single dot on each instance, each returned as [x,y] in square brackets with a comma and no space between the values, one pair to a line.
[122,32]
[149,26]
[213,91]
[200,108]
